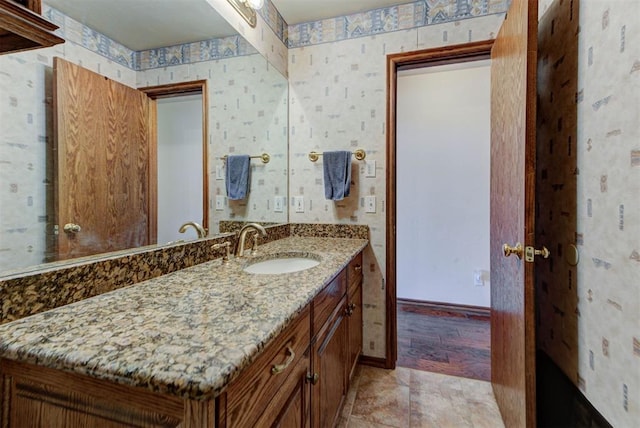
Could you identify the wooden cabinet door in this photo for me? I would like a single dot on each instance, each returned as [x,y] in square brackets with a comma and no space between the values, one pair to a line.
[355,329]
[295,406]
[330,355]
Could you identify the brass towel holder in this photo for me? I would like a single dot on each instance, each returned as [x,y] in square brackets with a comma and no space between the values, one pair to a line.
[265,158]
[359,154]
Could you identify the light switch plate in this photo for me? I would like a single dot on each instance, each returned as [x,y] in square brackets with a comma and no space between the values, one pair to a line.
[278,204]
[370,204]
[220,200]
[370,168]
[219,172]
[299,204]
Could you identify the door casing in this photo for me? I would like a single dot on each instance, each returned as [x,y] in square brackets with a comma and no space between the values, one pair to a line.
[402,61]
[176,90]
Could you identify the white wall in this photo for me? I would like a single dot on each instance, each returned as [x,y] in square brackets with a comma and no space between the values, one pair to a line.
[443,167]
[180,160]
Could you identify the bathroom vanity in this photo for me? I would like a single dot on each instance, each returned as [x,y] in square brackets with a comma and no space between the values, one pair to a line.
[207,346]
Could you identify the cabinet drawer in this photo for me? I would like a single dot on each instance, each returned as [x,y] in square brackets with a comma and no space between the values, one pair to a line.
[327,300]
[354,272]
[249,394]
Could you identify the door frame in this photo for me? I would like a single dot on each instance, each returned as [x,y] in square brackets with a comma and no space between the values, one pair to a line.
[405,61]
[168,91]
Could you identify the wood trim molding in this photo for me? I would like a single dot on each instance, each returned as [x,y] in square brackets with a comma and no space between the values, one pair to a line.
[454,309]
[152,183]
[22,28]
[365,360]
[406,60]
[176,90]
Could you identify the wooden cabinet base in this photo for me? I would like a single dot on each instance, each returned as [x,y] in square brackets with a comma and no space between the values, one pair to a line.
[299,380]
[35,396]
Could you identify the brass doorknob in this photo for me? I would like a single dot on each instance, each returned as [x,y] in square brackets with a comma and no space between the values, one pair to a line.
[72,228]
[509,250]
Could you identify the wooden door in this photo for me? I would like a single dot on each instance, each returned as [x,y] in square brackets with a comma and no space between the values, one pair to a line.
[104,163]
[513,138]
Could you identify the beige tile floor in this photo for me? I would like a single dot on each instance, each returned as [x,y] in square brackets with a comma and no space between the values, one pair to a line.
[405,397]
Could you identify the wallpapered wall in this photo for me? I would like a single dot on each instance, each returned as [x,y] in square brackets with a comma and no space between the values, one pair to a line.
[588,195]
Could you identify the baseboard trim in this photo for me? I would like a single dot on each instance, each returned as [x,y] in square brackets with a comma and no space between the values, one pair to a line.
[454,309]
[380,363]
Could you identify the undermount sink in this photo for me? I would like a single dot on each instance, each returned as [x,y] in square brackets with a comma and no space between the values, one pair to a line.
[282,263]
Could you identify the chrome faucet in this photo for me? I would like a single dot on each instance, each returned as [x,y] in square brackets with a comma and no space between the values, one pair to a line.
[243,234]
[202,232]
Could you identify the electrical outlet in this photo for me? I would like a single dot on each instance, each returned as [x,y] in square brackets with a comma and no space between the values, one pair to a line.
[220,202]
[299,204]
[219,172]
[478,278]
[370,204]
[370,168]
[278,204]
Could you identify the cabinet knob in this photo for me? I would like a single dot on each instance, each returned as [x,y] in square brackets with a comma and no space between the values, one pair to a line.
[348,311]
[312,378]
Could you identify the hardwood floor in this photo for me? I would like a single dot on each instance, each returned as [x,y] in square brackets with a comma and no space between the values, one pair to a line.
[445,340]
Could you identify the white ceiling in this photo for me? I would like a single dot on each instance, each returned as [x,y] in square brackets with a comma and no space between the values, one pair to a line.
[148,24]
[297,11]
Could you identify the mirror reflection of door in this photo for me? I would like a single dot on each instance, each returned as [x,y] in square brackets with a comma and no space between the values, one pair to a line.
[130,165]
[180,173]
[103,171]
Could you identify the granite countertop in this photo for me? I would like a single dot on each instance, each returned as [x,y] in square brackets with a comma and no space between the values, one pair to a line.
[187,333]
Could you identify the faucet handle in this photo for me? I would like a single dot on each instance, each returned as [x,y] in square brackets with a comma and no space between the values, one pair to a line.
[227,246]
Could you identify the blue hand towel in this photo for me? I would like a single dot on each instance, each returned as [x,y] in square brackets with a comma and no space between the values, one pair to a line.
[237,176]
[337,174]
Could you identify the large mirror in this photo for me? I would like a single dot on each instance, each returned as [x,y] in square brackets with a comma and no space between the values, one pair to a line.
[235,103]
